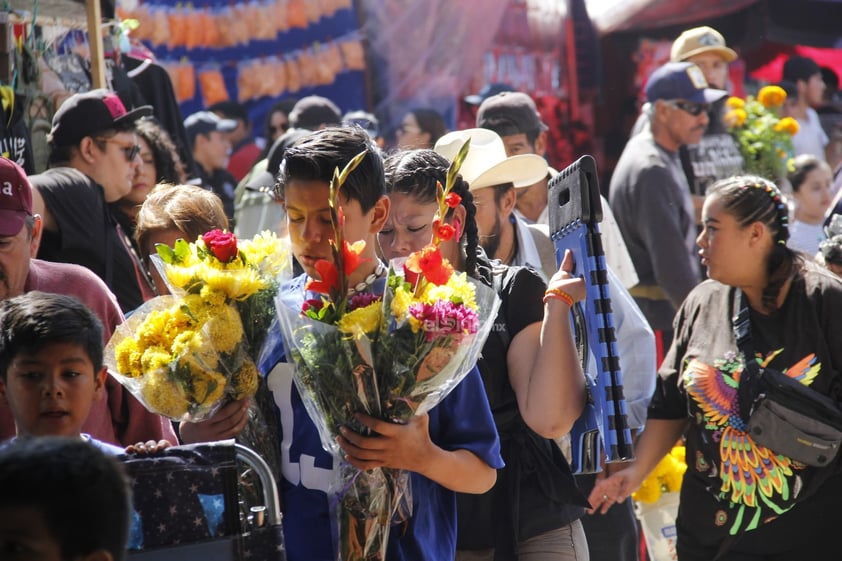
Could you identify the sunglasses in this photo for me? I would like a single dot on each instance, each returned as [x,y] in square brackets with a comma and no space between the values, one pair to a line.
[693,108]
[130,152]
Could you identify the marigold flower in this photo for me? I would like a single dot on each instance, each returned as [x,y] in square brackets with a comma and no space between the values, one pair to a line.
[788,125]
[208,387]
[735,103]
[771,96]
[224,329]
[735,117]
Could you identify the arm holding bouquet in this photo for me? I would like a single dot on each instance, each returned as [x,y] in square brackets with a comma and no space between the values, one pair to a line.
[547,378]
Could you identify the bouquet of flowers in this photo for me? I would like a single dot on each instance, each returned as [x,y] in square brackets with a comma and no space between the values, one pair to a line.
[184,356]
[656,505]
[665,478]
[390,359]
[763,137]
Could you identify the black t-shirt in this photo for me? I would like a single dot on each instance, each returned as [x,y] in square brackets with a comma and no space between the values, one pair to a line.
[535,492]
[732,485]
[223,184]
[88,234]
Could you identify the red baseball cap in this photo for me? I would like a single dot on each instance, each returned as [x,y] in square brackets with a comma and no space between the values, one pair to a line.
[15,198]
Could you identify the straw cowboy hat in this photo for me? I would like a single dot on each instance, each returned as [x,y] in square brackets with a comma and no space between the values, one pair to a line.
[487,165]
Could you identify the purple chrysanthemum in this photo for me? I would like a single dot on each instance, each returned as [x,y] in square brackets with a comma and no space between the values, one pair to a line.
[445,318]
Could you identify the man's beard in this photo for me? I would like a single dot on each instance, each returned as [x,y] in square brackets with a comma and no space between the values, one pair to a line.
[491,242]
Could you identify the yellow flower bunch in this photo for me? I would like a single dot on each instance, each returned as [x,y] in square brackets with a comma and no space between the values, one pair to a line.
[763,137]
[457,290]
[665,478]
[361,321]
[182,356]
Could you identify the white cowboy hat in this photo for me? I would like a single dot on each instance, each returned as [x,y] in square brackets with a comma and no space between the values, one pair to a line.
[486,164]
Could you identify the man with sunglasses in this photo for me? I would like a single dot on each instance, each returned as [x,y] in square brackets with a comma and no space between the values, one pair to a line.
[93,157]
[650,196]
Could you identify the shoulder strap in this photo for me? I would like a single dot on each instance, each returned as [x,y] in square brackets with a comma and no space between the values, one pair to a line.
[499,276]
[750,377]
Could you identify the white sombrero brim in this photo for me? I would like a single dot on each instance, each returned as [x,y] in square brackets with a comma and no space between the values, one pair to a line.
[522,170]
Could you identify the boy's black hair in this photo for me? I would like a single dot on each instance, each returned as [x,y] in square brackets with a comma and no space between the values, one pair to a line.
[316,156]
[33,320]
[83,494]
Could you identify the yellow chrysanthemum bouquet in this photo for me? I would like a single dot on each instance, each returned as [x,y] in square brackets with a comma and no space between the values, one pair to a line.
[665,478]
[763,136]
[185,355]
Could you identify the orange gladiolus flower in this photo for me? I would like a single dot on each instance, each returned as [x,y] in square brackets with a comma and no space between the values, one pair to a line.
[328,278]
[351,254]
[430,263]
[443,232]
[452,200]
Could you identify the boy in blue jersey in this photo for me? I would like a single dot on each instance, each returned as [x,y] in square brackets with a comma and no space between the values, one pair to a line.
[453,448]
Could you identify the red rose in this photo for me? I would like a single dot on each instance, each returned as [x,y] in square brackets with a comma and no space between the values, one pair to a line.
[221,244]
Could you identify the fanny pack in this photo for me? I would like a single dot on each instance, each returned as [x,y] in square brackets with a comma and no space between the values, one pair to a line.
[781,413]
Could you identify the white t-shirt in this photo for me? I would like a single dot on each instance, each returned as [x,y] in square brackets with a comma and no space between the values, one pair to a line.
[811,138]
[805,237]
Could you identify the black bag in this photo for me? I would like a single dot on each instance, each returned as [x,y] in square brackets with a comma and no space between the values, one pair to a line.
[781,413]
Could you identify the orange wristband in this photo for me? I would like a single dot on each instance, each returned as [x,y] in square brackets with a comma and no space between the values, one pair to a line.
[558,294]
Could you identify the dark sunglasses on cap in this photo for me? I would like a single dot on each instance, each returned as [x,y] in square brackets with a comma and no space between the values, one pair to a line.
[692,107]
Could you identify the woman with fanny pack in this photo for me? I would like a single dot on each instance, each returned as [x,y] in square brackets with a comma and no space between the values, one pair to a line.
[762,479]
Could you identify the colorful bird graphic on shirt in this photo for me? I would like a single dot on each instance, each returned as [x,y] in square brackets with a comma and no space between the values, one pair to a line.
[750,473]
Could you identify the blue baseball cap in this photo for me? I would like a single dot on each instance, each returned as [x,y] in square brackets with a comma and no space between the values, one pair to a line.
[681,80]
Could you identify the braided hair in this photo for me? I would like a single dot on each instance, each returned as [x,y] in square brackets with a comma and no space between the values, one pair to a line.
[750,199]
[415,173]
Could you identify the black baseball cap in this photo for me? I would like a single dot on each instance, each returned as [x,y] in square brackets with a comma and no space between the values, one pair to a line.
[314,111]
[89,113]
[510,113]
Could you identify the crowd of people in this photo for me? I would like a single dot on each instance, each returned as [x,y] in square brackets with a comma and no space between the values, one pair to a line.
[687,235]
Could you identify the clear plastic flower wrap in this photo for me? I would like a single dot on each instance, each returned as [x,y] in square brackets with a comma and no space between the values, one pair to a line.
[183,358]
[431,334]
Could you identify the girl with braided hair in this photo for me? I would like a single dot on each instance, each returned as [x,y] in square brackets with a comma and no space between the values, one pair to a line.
[741,500]
[536,391]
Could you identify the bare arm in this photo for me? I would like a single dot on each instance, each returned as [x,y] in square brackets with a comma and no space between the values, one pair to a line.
[544,367]
[409,447]
[654,443]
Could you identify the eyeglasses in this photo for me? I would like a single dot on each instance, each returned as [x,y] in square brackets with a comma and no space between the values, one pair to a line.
[130,152]
[693,108]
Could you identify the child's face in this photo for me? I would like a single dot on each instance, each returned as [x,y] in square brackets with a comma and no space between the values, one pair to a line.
[24,535]
[310,230]
[50,393]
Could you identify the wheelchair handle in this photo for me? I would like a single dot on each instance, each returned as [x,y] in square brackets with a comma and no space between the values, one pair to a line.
[270,488]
